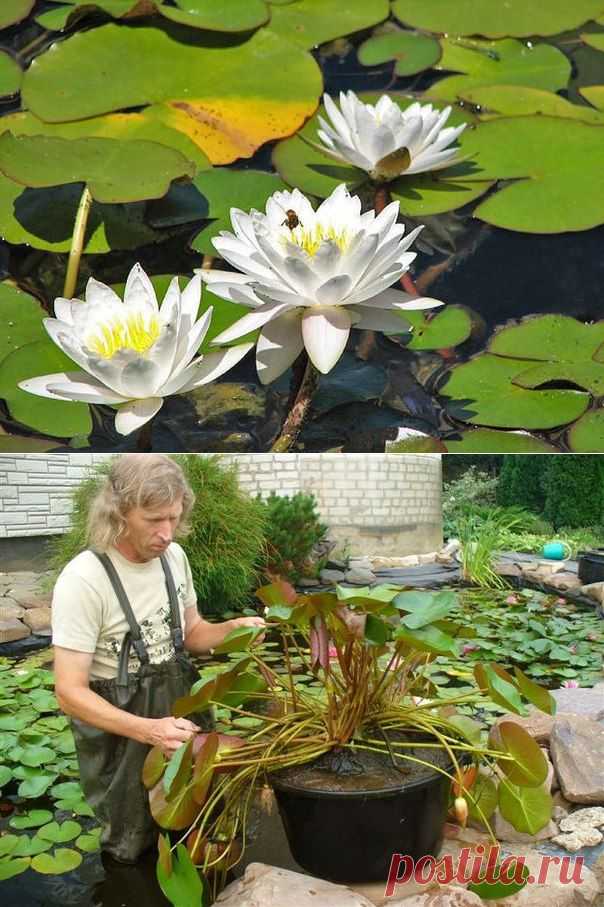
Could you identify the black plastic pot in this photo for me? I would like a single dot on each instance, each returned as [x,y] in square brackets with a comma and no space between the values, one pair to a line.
[350,836]
[591,566]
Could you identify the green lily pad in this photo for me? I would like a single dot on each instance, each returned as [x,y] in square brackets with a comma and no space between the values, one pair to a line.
[58,418]
[14,11]
[44,218]
[496,20]
[76,805]
[485,388]
[518,100]
[220,189]
[32,819]
[21,316]
[10,868]
[412,51]
[35,756]
[106,165]
[426,444]
[595,40]
[218,15]
[301,163]
[5,773]
[60,834]
[486,440]
[557,348]
[311,22]
[10,74]
[227,99]
[89,843]
[67,789]
[594,94]
[56,19]
[29,847]
[556,166]
[587,434]
[36,785]
[149,125]
[506,62]
[20,444]
[449,327]
[62,860]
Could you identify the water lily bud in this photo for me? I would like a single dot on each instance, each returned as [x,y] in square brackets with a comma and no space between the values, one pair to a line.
[461,810]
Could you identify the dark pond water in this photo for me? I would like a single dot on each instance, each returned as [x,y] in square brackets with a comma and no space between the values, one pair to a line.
[379,385]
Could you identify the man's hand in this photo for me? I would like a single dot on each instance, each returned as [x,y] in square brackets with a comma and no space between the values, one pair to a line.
[170,733]
[249,622]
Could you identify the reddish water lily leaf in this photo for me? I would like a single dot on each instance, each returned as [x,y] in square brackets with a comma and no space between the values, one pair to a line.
[153,767]
[204,766]
[528,766]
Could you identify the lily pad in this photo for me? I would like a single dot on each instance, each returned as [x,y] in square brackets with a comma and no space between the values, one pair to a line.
[44,218]
[311,22]
[21,316]
[557,348]
[5,772]
[485,393]
[506,62]
[29,847]
[36,785]
[219,15]
[594,94]
[227,99]
[60,834]
[495,20]
[14,11]
[105,165]
[10,868]
[220,189]
[412,51]
[556,165]
[89,843]
[10,74]
[62,860]
[595,40]
[587,434]
[58,418]
[448,328]
[518,100]
[486,440]
[19,444]
[32,819]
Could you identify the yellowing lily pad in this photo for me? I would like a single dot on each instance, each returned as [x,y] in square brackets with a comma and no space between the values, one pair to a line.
[57,418]
[10,74]
[484,392]
[485,17]
[10,868]
[62,860]
[517,100]
[594,94]
[487,440]
[595,40]
[106,165]
[311,22]
[228,99]
[506,62]
[412,51]
[558,170]
[14,11]
[587,434]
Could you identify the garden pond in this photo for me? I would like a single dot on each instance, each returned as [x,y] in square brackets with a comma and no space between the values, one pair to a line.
[48,836]
[513,233]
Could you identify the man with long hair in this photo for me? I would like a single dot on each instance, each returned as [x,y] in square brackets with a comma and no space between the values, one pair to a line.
[124,617]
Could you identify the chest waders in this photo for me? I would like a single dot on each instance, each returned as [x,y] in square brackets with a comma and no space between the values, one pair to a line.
[111,765]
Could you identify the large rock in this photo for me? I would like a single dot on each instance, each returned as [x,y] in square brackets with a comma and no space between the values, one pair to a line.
[594,591]
[554,891]
[592,817]
[585,701]
[577,751]
[269,886]
[37,619]
[576,840]
[10,611]
[444,896]
[332,576]
[31,599]
[358,576]
[11,630]
[565,582]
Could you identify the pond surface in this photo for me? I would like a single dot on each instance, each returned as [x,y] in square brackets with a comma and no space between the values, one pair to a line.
[460,379]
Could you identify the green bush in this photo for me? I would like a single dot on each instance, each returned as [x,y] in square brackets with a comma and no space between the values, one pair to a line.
[292,528]
[225,547]
[574,491]
[521,482]
[471,492]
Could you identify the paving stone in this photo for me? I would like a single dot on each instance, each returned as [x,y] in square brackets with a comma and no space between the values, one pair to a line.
[37,619]
[11,630]
[577,751]
[270,886]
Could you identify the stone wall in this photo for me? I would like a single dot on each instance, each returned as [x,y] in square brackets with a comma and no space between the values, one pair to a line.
[373,503]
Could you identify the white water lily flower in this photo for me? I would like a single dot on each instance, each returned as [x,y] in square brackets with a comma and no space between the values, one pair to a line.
[364,134]
[311,275]
[133,353]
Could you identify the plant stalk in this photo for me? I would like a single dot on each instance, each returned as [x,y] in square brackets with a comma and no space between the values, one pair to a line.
[299,411]
[77,243]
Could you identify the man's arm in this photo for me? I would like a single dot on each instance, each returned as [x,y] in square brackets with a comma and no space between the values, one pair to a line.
[75,698]
[201,636]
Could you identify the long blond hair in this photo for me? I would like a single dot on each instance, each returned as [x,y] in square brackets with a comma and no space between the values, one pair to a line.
[136,480]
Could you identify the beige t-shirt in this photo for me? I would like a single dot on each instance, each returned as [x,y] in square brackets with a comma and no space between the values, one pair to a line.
[87,617]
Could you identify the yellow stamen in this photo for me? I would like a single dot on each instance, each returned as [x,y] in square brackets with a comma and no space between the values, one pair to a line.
[133,332]
[310,239]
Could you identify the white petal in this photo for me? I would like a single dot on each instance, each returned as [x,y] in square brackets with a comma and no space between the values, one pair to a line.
[279,345]
[213,365]
[394,299]
[140,378]
[63,309]
[170,307]
[390,322]
[70,386]
[139,290]
[253,321]
[188,344]
[98,294]
[133,415]
[334,290]
[190,299]
[325,332]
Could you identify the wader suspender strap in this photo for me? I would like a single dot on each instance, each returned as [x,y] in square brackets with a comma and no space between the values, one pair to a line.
[135,630]
[175,624]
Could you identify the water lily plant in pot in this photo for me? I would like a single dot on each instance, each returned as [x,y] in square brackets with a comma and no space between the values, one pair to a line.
[365,753]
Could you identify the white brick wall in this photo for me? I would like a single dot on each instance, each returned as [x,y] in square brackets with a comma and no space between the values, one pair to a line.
[391,502]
